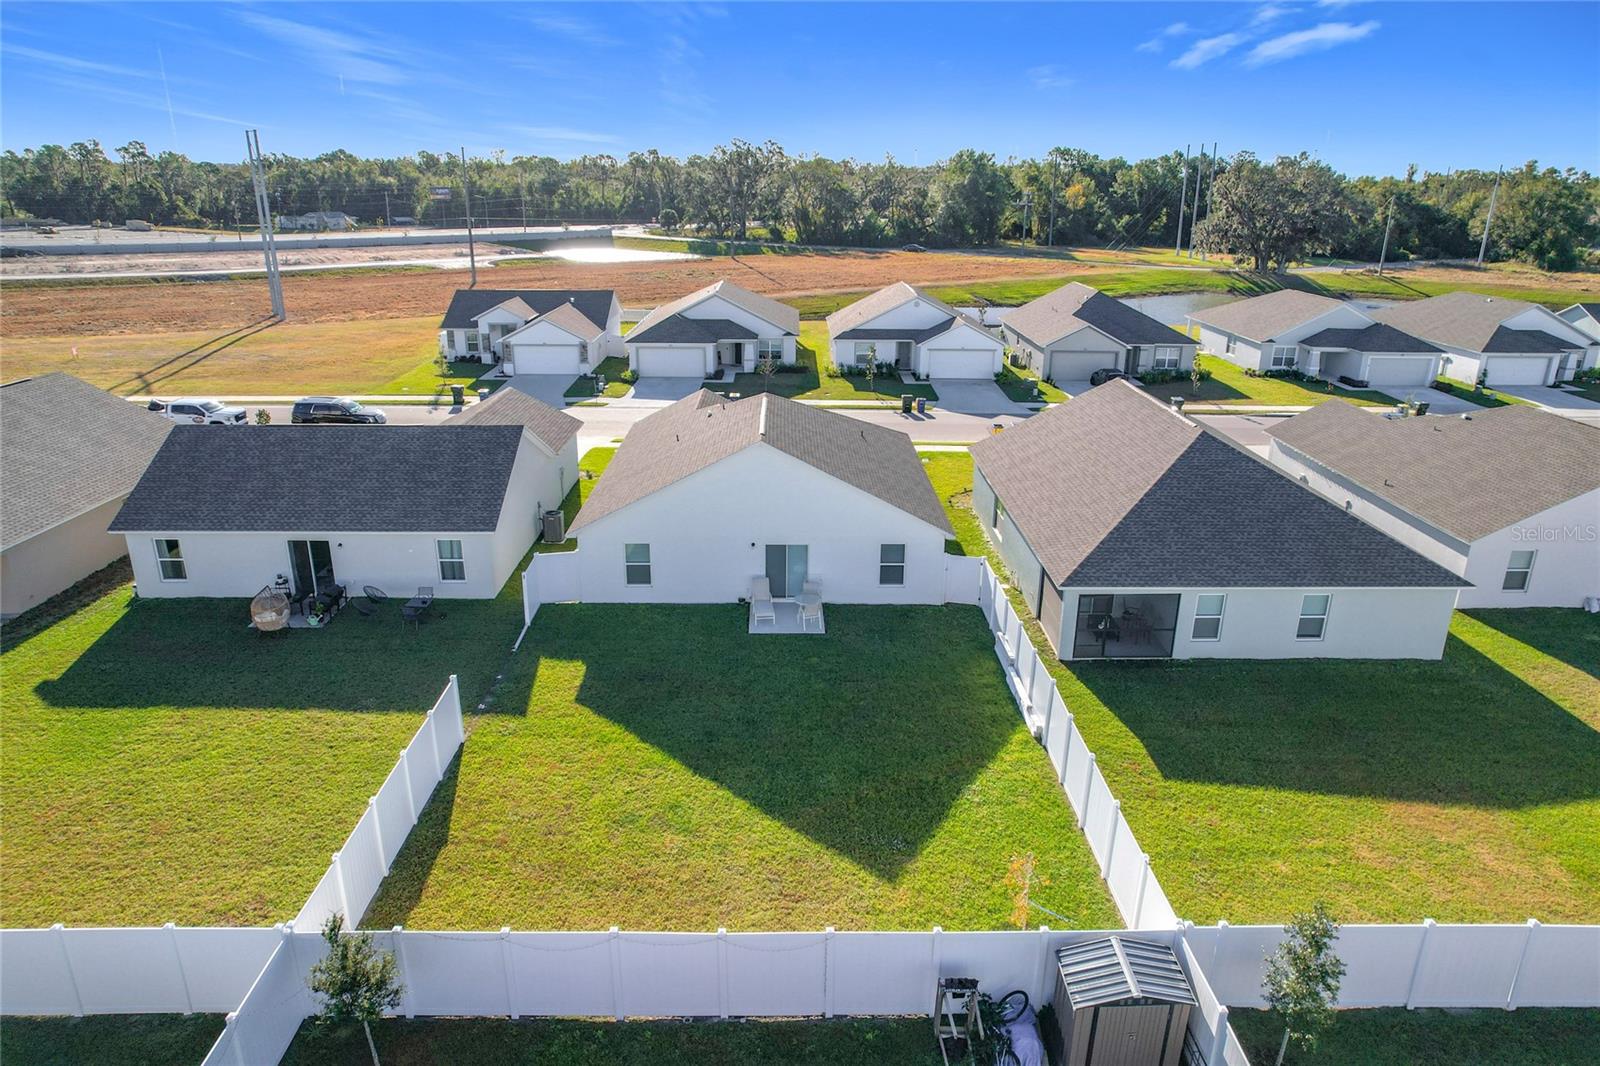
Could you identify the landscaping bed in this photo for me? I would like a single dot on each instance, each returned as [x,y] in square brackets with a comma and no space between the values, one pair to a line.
[812,380]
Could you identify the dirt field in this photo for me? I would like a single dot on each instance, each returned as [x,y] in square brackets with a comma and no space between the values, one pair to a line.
[91,266]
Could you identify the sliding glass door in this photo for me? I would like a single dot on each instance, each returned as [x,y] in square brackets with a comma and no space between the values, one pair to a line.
[786,569]
[312,562]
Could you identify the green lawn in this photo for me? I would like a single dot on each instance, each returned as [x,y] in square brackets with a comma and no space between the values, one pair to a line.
[1398,1037]
[1486,398]
[109,1040]
[1019,382]
[612,367]
[1590,390]
[590,467]
[1465,790]
[502,1042]
[809,383]
[163,762]
[1229,384]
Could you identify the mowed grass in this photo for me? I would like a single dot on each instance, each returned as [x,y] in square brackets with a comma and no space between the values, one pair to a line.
[1465,790]
[656,767]
[109,1040]
[592,464]
[1398,1037]
[814,357]
[1229,384]
[613,367]
[163,762]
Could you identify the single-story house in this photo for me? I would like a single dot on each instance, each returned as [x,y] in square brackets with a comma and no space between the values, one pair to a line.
[533,331]
[316,221]
[1068,334]
[1320,336]
[553,433]
[721,326]
[708,494]
[902,325]
[227,513]
[1585,318]
[69,455]
[1508,497]
[1493,340]
[1135,532]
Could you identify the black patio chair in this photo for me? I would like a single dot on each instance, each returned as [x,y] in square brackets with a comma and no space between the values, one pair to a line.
[375,594]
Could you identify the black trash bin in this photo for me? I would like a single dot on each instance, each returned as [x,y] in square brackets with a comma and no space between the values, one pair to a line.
[905,403]
[458,394]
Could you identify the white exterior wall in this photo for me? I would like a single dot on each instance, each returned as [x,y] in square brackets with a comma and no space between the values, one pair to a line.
[1247,354]
[1367,623]
[708,535]
[57,558]
[545,348]
[984,358]
[538,480]
[1014,549]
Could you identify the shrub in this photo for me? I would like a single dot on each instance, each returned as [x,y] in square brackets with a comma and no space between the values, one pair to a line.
[1166,377]
[630,375]
[669,219]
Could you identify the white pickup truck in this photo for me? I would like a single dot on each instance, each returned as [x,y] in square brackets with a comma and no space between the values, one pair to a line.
[199,412]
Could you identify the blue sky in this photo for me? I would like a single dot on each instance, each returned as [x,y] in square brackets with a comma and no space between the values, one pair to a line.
[1370,87]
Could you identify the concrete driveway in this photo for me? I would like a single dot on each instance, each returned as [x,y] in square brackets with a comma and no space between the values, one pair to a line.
[1248,431]
[974,398]
[665,389]
[546,388]
[1562,402]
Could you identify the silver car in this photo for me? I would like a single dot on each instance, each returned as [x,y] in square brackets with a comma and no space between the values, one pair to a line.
[199,412]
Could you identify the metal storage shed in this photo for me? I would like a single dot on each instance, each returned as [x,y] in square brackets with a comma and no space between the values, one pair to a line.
[1121,1002]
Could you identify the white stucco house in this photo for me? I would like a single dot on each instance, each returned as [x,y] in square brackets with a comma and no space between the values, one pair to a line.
[708,494]
[1496,341]
[1332,339]
[1508,498]
[1068,334]
[720,327]
[224,514]
[1134,532]
[69,455]
[533,331]
[1585,318]
[902,325]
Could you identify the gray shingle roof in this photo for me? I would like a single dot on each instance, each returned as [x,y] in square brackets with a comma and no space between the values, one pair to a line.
[1262,318]
[1506,339]
[1116,968]
[467,304]
[574,321]
[325,479]
[1466,320]
[67,447]
[849,322]
[1116,490]
[1469,477]
[1378,337]
[510,406]
[677,329]
[1075,305]
[703,429]
[781,315]
[918,335]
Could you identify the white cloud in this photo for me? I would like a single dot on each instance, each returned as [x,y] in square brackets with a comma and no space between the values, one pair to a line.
[576,29]
[1153,45]
[1317,39]
[364,59]
[1267,13]
[1177,29]
[1208,48]
[73,63]
[1049,77]
[565,133]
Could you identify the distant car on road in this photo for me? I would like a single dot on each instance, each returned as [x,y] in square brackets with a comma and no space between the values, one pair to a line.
[332,410]
[1105,374]
[199,412]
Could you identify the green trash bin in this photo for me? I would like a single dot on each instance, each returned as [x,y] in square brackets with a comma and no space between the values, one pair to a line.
[906,400]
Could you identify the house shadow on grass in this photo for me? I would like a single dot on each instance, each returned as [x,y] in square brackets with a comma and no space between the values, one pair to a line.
[1461,731]
[1577,643]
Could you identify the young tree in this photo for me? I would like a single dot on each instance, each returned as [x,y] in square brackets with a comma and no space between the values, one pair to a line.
[1302,978]
[872,368]
[767,366]
[355,979]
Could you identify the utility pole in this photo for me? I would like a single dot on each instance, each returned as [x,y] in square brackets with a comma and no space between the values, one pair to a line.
[522,193]
[1183,196]
[1211,195]
[1494,194]
[466,196]
[1194,212]
[386,215]
[1388,224]
[1055,169]
[269,250]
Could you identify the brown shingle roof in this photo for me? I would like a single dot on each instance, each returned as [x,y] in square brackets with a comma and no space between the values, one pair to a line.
[1261,318]
[510,406]
[1469,477]
[703,429]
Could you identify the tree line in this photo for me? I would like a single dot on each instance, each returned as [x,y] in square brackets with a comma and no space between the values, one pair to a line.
[1269,211]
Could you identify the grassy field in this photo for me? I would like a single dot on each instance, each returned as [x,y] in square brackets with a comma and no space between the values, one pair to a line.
[502,1042]
[811,382]
[1397,1037]
[165,763]
[582,388]
[1463,790]
[109,1040]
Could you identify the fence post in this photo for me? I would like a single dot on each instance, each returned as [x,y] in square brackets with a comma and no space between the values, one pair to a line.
[1216,942]
[432,723]
[722,972]
[238,1048]
[508,971]
[183,976]
[1066,749]
[1088,790]
[1527,941]
[1111,845]
[1219,1042]
[453,701]
[1041,992]
[1144,881]
[411,793]
[344,896]
[616,972]
[827,972]
[1416,967]
[399,943]
[377,831]
[66,960]
[1049,714]
[936,956]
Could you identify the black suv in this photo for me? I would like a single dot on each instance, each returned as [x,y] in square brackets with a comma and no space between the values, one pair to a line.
[331,410]
[1105,374]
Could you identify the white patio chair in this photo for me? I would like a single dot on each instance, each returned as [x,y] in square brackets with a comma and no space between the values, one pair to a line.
[761,609]
[811,606]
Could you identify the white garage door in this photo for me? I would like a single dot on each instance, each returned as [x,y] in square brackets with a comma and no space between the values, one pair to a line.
[1077,366]
[656,361]
[1399,371]
[973,363]
[1521,370]
[545,359]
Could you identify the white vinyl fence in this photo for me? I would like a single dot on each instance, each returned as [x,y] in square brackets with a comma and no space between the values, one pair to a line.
[551,577]
[263,1027]
[358,868]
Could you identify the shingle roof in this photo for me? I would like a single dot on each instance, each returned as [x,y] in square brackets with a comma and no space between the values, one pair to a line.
[1467,320]
[703,429]
[1469,477]
[1378,337]
[1075,305]
[1506,339]
[677,329]
[1115,968]
[510,406]
[849,321]
[1261,318]
[67,447]
[1116,490]
[467,304]
[325,479]
[938,329]
[781,315]
[574,321]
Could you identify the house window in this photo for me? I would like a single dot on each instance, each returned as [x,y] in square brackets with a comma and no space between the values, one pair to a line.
[1166,359]
[472,340]
[1208,617]
[636,558]
[1313,618]
[1232,343]
[169,559]
[1518,572]
[892,564]
[583,351]
[1283,356]
[771,348]
[452,565]
[996,513]
[865,352]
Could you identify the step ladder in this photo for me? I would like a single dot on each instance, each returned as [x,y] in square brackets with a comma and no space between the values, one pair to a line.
[955,1017]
